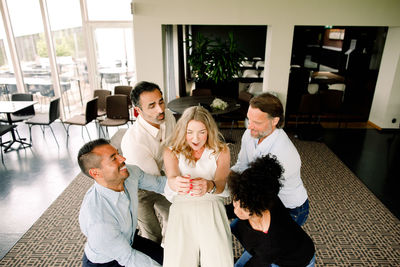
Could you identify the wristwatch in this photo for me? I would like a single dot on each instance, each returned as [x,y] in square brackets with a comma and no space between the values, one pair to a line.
[212,191]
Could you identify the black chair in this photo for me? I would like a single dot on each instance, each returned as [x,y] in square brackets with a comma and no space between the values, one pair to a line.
[3,130]
[126,90]
[117,112]
[23,114]
[237,115]
[101,94]
[83,120]
[46,119]
[310,108]
[332,105]
[201,92]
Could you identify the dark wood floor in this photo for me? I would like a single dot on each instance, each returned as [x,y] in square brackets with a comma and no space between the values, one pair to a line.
[31,179]
[373,156]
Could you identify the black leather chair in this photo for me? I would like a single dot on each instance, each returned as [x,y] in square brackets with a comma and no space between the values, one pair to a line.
[332,105]
[201,92]
[117,112]
[237,115]
[101,94]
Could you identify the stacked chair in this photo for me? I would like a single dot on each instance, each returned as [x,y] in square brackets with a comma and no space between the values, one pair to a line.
[83,120]
[117,112]
[101,95]
[126,90]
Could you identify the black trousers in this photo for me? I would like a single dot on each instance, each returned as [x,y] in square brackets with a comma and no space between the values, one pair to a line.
[144,245]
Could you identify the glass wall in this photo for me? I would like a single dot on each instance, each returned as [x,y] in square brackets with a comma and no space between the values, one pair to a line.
[67,31]
[29,40]
[115,61]
[91,50]
[7,77]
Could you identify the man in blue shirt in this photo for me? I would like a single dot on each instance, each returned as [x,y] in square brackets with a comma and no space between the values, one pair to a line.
[108,215]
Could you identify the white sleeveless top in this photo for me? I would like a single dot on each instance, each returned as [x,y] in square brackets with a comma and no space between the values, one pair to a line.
[205,167]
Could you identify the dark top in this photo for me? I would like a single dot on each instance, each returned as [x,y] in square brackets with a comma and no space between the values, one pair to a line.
[285,244]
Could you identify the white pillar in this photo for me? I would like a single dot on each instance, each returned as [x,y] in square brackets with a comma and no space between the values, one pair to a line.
[386,103]
[277,59]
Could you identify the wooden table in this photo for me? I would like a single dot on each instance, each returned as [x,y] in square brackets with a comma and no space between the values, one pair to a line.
[10,107]
[179,105]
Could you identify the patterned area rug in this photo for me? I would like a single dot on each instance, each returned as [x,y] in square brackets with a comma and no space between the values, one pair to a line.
[349,225]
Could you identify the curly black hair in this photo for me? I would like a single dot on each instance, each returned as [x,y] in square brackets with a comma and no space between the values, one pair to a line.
[258,186]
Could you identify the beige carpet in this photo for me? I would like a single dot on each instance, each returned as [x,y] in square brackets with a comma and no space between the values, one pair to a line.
[349,225]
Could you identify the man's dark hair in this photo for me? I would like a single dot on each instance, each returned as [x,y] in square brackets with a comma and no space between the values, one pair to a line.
[140,88]
[270,104]
[87,159]
[258,186]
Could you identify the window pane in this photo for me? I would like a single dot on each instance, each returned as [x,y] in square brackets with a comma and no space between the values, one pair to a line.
[31,48]
[109,10]
[7,78]
[67,32]
[114,56]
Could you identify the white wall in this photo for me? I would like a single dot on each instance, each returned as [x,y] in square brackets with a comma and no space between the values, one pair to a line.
[386,103]
[280,15]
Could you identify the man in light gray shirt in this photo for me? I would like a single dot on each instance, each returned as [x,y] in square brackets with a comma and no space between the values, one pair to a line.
[108,214]
[265,136]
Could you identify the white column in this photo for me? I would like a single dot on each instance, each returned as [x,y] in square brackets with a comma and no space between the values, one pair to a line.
[277,59]
[386,103]
[148,50]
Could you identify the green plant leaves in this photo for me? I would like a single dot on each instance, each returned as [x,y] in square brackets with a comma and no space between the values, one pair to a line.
[213,59]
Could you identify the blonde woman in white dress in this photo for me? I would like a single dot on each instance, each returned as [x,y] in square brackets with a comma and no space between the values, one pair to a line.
[197,164]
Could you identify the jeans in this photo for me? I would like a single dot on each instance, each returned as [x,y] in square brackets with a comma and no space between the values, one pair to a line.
[246,257]
[144,245]
[310,264]
[299,215]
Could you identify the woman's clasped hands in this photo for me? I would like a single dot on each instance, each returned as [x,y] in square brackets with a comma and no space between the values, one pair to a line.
[196,187]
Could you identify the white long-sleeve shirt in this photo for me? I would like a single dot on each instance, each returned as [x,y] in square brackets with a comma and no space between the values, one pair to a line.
[293,193]
[141,145]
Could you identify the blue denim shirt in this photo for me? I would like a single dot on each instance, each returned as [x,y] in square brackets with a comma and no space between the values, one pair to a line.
[108,219]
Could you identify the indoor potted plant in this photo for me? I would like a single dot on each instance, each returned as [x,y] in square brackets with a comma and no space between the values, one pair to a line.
[215,64]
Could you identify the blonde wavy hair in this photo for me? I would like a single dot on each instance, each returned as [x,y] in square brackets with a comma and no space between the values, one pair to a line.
[215,140]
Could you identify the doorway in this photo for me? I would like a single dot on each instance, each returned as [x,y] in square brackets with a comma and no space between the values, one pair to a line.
[343,58]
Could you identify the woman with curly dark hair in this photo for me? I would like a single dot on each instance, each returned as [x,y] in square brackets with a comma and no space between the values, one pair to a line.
[266,229]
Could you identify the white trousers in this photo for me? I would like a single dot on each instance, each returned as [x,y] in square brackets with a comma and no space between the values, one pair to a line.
[198,231]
